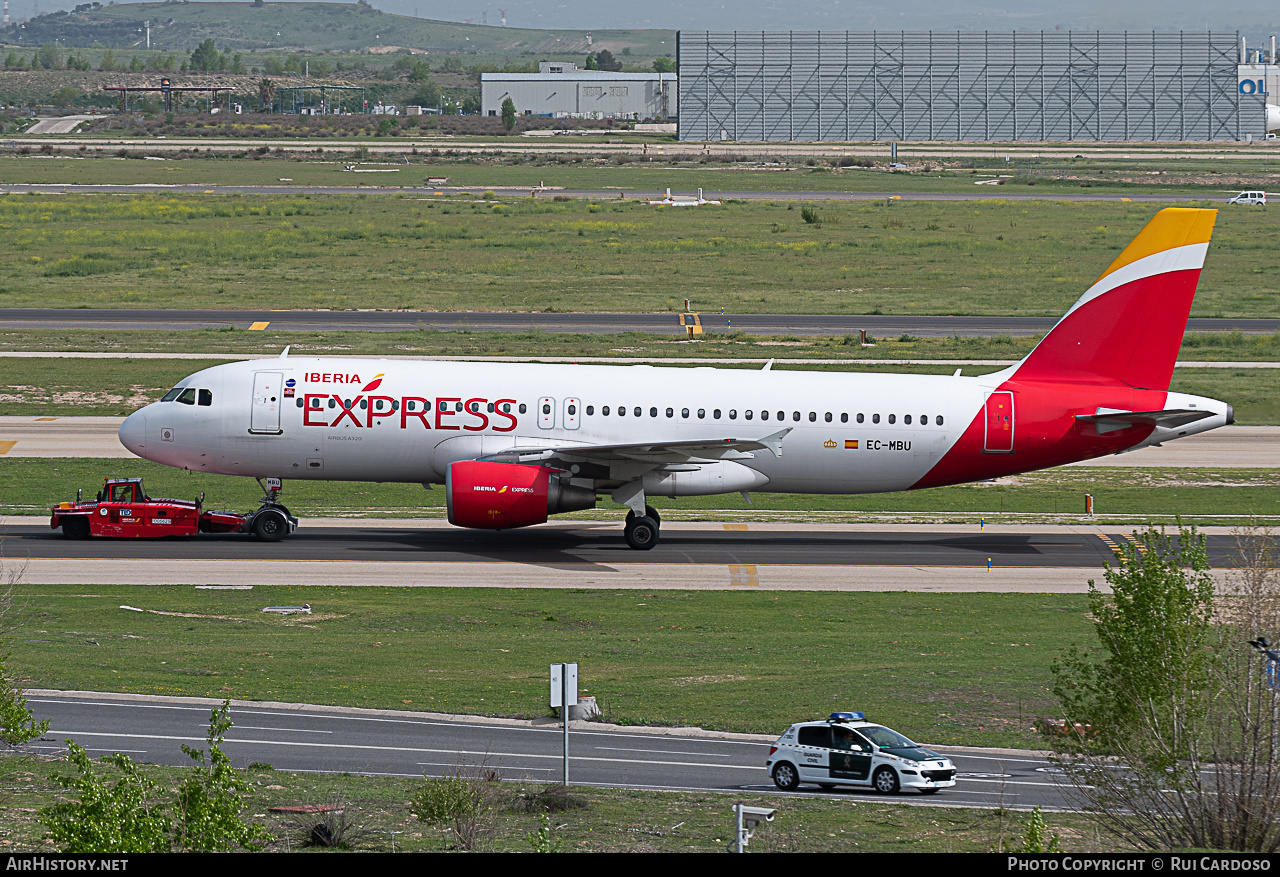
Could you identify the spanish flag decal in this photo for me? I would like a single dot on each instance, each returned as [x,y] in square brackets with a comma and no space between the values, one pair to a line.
[850,444]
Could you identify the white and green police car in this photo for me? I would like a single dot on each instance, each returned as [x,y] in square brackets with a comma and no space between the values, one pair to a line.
[847,750]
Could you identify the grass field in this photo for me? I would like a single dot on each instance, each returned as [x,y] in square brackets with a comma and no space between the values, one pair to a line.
[1128,496]
[416,251]
[955,669]
[614,821]
[586,162]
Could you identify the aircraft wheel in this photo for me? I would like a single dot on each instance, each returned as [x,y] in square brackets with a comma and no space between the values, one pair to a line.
[641,533]
[270,526]
[649,512]
[75,527]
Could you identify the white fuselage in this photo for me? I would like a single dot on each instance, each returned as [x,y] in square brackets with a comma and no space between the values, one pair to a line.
[849,433]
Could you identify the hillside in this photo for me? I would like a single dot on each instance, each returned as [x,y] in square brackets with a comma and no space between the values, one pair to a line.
[316,27]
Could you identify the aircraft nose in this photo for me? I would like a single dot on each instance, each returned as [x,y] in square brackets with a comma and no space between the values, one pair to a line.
[133,432]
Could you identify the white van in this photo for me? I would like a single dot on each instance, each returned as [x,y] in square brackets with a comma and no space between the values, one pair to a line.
[1249,199]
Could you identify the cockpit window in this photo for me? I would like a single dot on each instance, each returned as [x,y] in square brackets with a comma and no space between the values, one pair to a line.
[171,395]
[206,397]
[188,396]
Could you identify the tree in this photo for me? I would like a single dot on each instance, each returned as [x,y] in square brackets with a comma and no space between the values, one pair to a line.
[205,57]
[508,114]
[207,817]
[606,61]
[120,817]
[1153,631]
[664,65]
[131,814]
[591,63]
[1172,731]
[267,93]
[108,61]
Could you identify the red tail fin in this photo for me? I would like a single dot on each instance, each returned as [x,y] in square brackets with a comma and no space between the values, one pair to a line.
[1128,327]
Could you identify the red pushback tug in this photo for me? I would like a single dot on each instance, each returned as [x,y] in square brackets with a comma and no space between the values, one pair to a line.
[124,509]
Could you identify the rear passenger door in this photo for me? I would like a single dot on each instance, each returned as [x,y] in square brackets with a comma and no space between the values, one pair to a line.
[813,751]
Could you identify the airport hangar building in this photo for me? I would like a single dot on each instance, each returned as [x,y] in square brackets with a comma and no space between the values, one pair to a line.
[562,90]
[1022,85]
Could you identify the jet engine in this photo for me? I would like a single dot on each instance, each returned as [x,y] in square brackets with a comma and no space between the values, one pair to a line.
[500,496]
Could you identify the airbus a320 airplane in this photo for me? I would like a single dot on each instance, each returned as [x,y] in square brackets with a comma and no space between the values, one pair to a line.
[514,443]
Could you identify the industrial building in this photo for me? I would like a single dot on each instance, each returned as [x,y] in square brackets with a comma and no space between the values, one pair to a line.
[562,90]
[1027,86]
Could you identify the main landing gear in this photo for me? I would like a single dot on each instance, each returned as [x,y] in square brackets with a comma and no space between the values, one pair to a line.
[642,531]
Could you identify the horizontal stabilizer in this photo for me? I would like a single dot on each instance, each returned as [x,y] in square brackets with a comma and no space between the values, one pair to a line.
[1108,420]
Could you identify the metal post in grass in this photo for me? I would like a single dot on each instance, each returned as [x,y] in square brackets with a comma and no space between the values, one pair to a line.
[1271,679]
[564,694]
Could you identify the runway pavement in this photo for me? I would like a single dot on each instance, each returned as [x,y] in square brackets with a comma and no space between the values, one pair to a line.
[591,554]
[305,737]
[1245,447]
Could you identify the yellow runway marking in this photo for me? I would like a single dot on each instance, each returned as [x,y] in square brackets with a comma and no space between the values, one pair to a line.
[735,526]
[258,327]
[743,574]
[1133,540]
[6,447]
[1111,544]
[43,419]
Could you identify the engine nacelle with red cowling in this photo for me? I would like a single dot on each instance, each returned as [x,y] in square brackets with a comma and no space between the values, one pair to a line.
[500,496]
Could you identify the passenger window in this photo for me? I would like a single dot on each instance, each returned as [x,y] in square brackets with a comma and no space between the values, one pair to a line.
[636,412]
[363,404]
[938,420]
[764,415]
[819,736]
[906,418]
[299,403]
[733,413]
[782,415]
[188,396]
[844,418]
[395,405]
[716,414]
[490,407]
[206,398]
[333,403]
[591,409]
[605,411]
[813,416]
[346,403]
[702,412]
[747,414]
[795,415]
[377,405]
[671,412]
[924,419]
[875,418]
[653,412]
[523,407]
[684,412]
[860,418]
[828,417]
[573,409]
[506,407]
[893,418]
[546,409]
[622,411]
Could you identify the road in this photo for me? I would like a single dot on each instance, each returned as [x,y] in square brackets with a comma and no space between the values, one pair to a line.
[295,737]
[1246,447]
[661,324]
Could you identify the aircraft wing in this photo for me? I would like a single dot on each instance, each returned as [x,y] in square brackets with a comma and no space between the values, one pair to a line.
[656,453]
[1108,420]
